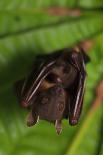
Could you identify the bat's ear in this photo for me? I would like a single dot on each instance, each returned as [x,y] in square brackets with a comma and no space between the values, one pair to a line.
[86,57]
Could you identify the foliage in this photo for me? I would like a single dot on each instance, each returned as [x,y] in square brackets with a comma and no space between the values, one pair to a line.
[27,29]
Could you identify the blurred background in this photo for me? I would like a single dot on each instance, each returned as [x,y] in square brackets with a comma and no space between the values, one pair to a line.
[32,27]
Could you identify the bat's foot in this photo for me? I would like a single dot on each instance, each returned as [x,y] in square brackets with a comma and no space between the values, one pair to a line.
[58,127]
[32,120]
[73,122]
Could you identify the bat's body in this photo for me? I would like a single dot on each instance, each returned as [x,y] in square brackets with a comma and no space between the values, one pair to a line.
[55,88]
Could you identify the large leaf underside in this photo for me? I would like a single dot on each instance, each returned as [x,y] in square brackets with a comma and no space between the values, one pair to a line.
[26,32]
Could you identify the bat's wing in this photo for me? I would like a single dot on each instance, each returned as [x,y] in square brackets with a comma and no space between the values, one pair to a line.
[40,70]
[77,90]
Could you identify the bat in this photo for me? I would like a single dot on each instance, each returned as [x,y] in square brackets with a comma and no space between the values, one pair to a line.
[54,89]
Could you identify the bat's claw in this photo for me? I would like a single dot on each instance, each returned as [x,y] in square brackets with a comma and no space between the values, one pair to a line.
[73,122]
[58,127]
[32,120]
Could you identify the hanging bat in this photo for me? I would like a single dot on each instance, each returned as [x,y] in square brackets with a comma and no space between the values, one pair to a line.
[57,80]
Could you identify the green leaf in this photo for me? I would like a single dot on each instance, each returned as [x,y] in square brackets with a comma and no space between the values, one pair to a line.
[87,139]
[22,45]
[24,33]
[91,3]
[32,4]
